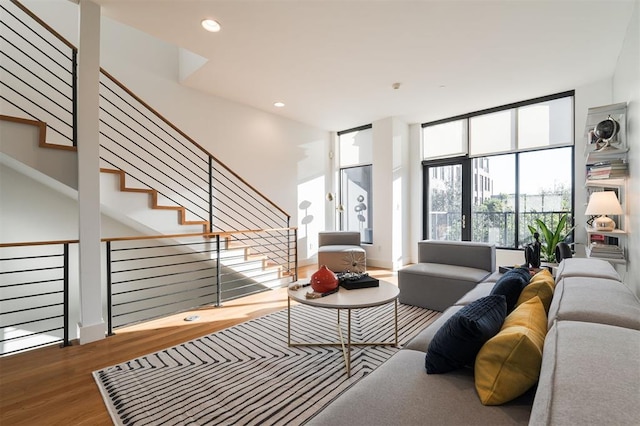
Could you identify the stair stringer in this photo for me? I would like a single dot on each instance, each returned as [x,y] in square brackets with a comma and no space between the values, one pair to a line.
[153,194]
[22,139]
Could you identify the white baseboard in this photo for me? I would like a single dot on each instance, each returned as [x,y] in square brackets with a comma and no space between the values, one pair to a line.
[91,333]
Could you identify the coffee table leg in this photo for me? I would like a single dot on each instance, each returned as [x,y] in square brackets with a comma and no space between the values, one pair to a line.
[349,344]
[396,312]
[289,321]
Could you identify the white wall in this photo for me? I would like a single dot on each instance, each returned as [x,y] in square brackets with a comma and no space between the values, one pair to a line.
[626,88]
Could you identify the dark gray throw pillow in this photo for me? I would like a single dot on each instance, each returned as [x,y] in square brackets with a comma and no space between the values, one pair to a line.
[511,284]
[458,341]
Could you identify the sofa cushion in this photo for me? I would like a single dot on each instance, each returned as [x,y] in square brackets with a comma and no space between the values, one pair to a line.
[481,290]
[541,285]
[590,376]
[457,342]
[510,285]
[421,341]
[595,300]
[399,392]
[581,267]
[436,286]
[509,363]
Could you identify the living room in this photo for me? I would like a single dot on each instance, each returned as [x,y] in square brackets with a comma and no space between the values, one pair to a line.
[293,161]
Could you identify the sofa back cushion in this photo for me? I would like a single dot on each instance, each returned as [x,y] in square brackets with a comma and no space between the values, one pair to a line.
[458,253]
[590,376]
[598,300]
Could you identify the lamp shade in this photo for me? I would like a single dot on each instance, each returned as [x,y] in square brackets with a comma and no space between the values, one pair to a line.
[603,202]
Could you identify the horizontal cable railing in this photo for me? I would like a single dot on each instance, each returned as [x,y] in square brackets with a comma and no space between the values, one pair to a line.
[37,73]
[154,276]
[146,277]
[156,155]
[34,301]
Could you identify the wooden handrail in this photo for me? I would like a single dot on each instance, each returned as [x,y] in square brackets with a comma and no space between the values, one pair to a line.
[187,137]
[44,24]
[149,237]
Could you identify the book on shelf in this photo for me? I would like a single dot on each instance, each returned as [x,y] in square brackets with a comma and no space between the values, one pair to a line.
[607,169]
[608,251]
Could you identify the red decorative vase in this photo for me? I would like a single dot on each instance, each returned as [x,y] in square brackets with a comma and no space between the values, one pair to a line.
[324,280]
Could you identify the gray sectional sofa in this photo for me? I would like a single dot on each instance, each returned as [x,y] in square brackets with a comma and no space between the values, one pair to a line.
[590,370]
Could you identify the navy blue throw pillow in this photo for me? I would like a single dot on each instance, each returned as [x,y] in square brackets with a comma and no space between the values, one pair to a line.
[511,284]
[458,341]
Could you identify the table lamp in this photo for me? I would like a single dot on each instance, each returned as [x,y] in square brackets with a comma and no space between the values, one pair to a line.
[601,204]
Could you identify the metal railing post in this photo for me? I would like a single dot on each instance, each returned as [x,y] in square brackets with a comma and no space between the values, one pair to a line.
[109,307]
[218,275]
[74,95]
[66,295]
[295,238]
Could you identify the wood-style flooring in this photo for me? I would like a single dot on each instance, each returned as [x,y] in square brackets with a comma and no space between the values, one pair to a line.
[54,386]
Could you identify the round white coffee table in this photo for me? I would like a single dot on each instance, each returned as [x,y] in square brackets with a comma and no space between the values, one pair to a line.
[346,299]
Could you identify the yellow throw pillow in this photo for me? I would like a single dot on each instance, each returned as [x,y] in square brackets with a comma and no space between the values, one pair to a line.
[509,363]
[541,285]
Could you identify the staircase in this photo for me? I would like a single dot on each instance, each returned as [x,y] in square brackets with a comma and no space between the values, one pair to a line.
[220,237]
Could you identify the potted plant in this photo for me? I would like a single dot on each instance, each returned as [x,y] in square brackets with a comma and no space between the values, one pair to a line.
[550,238]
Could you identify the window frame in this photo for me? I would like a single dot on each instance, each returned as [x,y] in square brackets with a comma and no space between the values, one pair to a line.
[477,158]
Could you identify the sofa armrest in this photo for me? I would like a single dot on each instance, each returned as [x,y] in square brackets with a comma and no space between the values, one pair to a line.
[458,253]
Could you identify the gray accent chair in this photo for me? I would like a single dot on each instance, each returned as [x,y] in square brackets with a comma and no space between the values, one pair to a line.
[445,271]
[340,251]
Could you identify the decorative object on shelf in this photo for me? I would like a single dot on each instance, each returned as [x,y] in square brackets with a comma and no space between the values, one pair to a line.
[605,132]
[601,204]
[324,280]
[551,238]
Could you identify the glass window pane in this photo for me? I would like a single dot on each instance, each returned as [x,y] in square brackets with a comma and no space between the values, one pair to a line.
[493,207]
[356,198]
[445,204]
[445,140]
[546,124]
[492,133]
[356,147]
[545,189]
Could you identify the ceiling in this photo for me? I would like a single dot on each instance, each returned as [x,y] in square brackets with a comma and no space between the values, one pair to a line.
[333,63]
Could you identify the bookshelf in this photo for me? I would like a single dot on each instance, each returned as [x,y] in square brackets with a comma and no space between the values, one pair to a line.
[606,169]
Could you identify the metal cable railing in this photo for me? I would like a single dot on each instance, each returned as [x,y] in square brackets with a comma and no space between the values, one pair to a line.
[494,227]
[151,277]
[37,73]
[138,140]
[34,301]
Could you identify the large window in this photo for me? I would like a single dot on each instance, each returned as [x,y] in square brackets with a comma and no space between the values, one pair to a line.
[520,162]
[356,182]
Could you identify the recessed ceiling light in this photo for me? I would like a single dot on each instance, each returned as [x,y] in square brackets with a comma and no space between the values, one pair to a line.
[278,104]
[210,25]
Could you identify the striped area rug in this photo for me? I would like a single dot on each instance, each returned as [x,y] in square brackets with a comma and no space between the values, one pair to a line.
[247,375]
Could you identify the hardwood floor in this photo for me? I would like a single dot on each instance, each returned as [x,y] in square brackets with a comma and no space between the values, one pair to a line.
[54,386]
